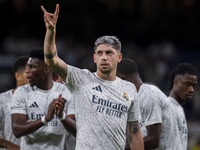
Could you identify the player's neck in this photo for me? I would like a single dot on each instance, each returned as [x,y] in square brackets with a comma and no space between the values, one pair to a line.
[137,84]
[136,80]
[13,90]
[175,96]
[111,76]
[46,85]
[19,83]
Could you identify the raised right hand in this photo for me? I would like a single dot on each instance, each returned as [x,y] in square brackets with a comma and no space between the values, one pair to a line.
[60,104]
[50,19]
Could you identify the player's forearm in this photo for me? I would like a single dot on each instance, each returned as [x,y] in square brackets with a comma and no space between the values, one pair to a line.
[70,125]
[151,143]
[152,140]
[4,143]
[137,141]
[134,136]
[50,46]
[26,128]
[51,56]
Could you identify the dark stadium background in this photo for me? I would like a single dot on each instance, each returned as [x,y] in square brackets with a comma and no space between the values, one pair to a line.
[157,34]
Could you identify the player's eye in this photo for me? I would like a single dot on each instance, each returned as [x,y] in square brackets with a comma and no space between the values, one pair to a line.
[187,84]
[99,52]
[194,86]
[109,52]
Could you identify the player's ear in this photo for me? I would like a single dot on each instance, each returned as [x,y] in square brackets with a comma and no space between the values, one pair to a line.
[17,76]
[46,70]
[175,81]
[94,58]
[119,57]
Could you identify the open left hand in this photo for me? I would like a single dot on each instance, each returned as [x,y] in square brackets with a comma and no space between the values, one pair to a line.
[51,111]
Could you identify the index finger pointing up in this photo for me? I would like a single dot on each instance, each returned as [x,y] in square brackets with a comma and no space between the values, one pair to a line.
[57,10]
[43,9]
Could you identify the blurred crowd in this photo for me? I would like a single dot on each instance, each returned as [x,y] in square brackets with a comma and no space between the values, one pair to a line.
[157,34]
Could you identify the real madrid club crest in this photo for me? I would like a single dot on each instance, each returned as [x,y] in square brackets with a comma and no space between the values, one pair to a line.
[125,97]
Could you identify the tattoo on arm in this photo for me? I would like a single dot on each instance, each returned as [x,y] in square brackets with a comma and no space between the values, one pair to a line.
[57,65]
[132,128]
[62,72]
[49,56]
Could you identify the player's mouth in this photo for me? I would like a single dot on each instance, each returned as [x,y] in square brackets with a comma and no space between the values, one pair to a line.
[189,96]
[104,65]
[28,78]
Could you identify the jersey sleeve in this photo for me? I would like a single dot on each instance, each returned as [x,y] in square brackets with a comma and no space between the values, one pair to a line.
[134,110]
[18,104]
[75,77]
[71,78]
[152,111]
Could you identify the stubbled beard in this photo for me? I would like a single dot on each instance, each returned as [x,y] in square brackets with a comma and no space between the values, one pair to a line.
[104,71]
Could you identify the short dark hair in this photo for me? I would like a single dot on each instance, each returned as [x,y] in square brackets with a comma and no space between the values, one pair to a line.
[37,52]
[127,66]
[108,40]
[20,63]
[182,69]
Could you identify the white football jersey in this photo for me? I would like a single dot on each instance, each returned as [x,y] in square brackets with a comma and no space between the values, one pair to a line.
[180,121]
[102,109]
[34,103]
[154,108]
[5,118]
